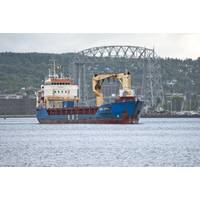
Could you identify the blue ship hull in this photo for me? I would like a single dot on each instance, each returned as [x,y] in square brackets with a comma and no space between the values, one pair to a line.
[125,112]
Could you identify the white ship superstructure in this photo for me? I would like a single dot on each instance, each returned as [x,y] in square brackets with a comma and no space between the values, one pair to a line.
[58,91]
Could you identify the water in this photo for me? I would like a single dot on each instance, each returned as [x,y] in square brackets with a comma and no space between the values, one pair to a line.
[153,142]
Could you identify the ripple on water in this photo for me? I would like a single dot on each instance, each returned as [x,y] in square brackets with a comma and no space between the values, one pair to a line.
[153,142]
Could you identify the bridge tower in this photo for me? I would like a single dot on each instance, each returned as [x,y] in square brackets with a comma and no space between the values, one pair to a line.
[152,89]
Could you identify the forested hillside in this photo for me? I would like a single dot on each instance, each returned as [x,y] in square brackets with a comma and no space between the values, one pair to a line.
[184,74]
[19,70]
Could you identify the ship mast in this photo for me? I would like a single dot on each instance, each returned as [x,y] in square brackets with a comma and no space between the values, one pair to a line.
[54,75]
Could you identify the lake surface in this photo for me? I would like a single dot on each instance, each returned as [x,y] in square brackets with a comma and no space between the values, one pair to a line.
[152,142]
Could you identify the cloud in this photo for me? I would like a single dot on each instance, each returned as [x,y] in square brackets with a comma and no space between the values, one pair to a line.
[166,45]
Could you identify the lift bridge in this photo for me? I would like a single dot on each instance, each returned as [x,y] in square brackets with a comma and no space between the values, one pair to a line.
[141,62]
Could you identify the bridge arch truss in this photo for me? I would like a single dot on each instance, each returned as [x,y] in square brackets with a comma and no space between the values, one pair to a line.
[129,52]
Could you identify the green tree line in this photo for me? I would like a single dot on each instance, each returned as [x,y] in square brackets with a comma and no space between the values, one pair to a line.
[19,70]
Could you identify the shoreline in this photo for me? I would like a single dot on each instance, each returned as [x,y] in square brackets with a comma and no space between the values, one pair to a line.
[17,116]
[170,116]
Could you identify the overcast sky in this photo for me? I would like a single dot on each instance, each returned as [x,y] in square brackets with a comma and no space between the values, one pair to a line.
[165,45]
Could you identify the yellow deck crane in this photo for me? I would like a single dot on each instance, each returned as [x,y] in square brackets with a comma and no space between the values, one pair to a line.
[124,78]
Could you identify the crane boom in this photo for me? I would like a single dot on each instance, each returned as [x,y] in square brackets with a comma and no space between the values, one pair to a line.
[98,79]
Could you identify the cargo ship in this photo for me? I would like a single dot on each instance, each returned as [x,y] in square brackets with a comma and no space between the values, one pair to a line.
[58,101]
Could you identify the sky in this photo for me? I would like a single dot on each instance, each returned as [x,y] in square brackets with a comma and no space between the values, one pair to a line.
[165,45]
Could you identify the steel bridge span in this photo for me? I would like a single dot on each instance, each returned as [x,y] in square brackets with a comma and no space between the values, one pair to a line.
[119,51]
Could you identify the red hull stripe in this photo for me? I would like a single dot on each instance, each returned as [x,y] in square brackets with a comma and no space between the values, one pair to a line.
[90,121]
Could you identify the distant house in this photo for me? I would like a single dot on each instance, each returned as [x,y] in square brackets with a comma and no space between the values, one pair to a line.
[11,96]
